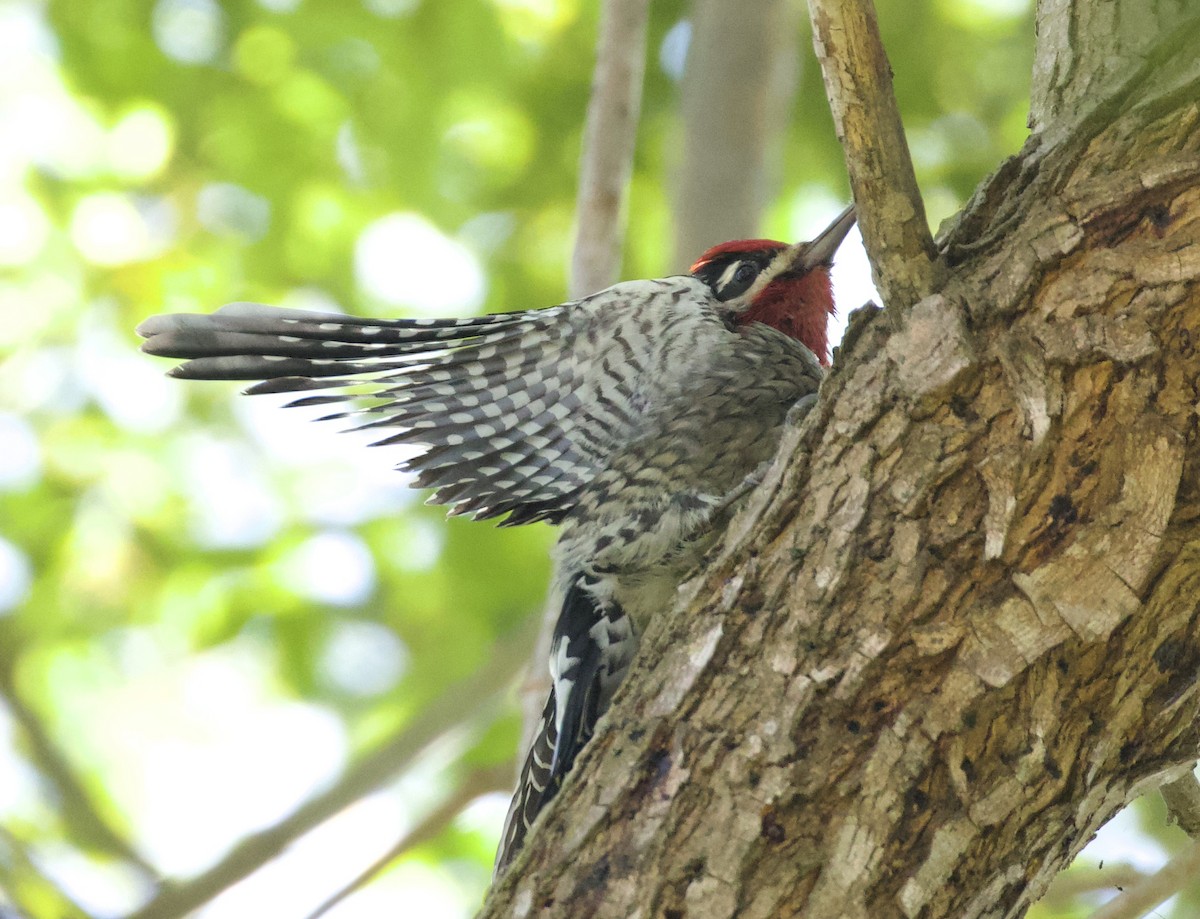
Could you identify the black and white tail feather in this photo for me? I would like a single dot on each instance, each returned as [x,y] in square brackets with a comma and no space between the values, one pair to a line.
[592,649]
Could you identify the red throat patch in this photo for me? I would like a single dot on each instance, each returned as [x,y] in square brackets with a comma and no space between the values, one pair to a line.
[799,307]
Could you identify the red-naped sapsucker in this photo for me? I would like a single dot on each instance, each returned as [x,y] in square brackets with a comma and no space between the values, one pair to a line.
[634,419]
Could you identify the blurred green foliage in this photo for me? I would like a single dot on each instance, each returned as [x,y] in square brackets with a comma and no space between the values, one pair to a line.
[163,547]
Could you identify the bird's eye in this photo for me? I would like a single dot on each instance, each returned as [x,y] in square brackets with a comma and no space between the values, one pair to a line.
[736,278]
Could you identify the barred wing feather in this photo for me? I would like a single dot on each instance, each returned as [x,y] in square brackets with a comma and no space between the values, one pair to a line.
[507,406]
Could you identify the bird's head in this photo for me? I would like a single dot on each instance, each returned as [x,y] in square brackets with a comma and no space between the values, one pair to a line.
[785,287]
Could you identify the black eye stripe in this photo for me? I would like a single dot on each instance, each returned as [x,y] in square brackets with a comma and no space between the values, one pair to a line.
[730,274]
[733,274]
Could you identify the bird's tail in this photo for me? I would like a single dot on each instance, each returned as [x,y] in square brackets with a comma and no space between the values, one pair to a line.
[535,789]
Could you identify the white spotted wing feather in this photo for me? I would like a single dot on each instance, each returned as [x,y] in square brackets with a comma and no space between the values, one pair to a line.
[517,412]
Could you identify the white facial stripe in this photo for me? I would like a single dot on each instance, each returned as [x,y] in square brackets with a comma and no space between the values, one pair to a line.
[727,275]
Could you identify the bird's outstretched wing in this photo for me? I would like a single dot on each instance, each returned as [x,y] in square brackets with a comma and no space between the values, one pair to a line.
[517,411]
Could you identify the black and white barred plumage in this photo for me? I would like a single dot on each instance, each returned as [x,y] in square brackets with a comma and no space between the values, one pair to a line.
[631,418]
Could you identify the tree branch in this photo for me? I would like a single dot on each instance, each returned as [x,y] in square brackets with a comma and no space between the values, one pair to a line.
[23,883]
[473,785]
[891,214]
[606,163]
[608,145]
[1064,892]
[995,208]
[77,806]
[471,700]
[1139,900]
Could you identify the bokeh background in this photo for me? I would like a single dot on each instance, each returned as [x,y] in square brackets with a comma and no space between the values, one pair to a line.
[235,651]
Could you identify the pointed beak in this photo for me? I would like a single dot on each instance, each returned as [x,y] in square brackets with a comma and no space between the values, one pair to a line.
[809,255]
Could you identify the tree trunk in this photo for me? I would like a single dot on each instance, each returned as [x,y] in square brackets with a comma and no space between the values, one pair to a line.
[957,629]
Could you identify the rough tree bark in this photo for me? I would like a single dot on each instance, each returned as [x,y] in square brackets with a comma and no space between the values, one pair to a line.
[957,628]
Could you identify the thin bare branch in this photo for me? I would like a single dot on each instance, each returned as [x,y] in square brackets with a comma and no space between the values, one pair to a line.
[477,783]
[22,884]
[606,162]
[471,700]
[608,144]
[1172,878]
[858,81]
[1069,885]
[76,802]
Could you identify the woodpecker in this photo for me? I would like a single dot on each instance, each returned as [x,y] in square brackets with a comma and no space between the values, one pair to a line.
[634,419]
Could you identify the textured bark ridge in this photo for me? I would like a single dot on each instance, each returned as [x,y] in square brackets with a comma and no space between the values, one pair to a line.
[957,628]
